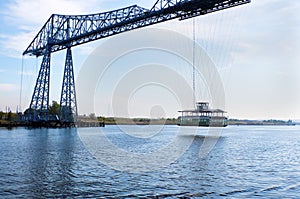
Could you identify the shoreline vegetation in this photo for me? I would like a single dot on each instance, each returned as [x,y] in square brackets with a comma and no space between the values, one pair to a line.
[10,120]
[173,121]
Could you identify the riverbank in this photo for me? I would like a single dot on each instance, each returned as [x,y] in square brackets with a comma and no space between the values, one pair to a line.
[53,124]
[101,122]
[261,122]
[173,121]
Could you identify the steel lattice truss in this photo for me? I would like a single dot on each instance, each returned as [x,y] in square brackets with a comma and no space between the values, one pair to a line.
[64,31]
[68,104]
[40,97]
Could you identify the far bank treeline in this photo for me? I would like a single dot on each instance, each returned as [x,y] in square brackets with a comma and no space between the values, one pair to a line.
[93,120]
[9,116]
[85,120]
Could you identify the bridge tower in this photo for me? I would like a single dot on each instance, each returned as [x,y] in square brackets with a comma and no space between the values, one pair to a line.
[68,104]
[66,31]
[39,106]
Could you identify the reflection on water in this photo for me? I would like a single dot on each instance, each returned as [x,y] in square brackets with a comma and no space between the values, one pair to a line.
[51,161]
[248,162]
[37,162]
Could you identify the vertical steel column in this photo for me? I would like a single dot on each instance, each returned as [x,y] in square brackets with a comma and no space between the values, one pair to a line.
[68,104]
[39,106]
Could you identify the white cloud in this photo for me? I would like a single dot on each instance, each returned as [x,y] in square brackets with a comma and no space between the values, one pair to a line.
[267,33]
[87,49]
[8,87]
[27,73]
[14,45]
[28,16]
[34,12]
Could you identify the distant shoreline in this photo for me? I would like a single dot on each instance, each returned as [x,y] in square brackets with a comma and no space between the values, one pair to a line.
[142,121]
[173,121]
[261,122]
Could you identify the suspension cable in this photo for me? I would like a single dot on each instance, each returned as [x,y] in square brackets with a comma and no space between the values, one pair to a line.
[194,60]
[21,85]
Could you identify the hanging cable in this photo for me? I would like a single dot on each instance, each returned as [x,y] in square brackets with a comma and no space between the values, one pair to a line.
[36,65]
[21,85]
[194,60]
[234,20]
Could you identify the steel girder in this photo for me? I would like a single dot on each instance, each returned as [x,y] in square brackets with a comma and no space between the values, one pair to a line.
[64,31]
[39,106]
[68,105]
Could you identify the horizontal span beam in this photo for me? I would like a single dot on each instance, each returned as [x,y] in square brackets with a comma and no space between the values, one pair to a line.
[64,31]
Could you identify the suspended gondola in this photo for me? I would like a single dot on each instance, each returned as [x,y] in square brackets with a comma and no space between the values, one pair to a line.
[203,116]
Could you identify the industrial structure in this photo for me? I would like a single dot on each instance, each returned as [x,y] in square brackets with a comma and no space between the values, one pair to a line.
[203,116]
[66,31]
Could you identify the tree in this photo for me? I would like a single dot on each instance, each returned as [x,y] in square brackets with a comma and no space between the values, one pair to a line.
[11,116]
[2,115]
[28,111]
[92,116]
[54,108]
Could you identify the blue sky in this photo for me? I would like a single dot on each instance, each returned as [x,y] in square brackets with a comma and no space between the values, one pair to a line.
[255,47]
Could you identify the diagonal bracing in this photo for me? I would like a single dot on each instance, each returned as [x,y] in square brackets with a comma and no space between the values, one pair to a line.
[68,104]
[39,106]
[64,31]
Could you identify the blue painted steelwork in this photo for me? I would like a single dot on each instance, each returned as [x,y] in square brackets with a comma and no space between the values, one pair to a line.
[39,106]
[65,31]
[68,105]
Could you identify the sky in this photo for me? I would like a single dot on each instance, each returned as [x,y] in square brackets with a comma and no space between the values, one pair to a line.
[255,48]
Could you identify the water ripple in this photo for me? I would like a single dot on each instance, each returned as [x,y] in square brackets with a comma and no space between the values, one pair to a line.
[247,162]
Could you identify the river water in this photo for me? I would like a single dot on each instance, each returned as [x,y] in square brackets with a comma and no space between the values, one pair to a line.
[246,162]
